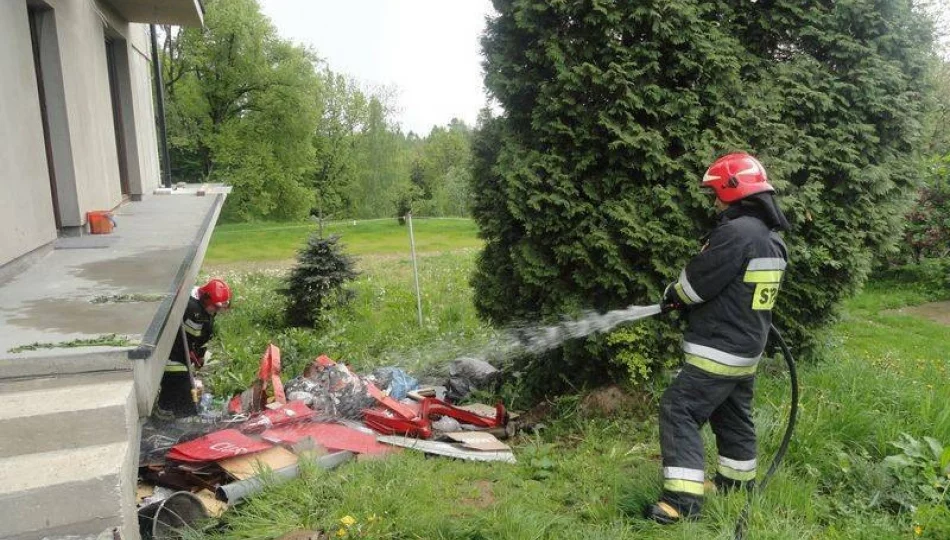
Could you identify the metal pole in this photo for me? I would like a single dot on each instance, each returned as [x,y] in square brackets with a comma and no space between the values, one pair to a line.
[160,113]
[415,267]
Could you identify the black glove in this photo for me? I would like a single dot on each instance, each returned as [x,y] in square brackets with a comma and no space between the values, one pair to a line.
[671,301]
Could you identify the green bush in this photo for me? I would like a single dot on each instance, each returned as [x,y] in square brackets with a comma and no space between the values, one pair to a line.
[586,186]
[929,276]
[317,283]
[927,233]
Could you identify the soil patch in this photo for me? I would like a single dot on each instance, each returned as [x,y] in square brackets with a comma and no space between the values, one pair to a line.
[483,497]
[938,312]
[612,400]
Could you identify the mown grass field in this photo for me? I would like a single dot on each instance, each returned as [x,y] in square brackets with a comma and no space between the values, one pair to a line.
[238,242]
[588,474]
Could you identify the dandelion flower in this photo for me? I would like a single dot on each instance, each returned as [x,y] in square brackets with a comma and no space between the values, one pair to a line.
[348,520]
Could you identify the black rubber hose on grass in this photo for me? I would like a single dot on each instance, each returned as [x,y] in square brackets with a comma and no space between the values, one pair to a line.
[743,521]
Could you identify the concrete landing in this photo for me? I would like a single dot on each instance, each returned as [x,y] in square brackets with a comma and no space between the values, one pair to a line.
[113,286]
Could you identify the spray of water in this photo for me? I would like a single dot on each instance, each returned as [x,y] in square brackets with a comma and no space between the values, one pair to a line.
[518,340]
[536,339]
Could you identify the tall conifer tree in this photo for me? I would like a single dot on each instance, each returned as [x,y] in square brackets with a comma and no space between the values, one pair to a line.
[586,184]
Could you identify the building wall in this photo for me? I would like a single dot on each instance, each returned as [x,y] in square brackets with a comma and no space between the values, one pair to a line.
[86,160]
[81,34]
[26,208]
[144,108]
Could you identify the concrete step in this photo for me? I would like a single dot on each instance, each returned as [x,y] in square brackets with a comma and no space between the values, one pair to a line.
[12,386]
[52,416]
[80,491]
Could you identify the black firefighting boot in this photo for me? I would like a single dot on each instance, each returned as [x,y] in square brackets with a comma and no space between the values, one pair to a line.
[673,509]
[727,485]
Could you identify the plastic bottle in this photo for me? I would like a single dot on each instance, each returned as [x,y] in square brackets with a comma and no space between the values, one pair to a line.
[206,405]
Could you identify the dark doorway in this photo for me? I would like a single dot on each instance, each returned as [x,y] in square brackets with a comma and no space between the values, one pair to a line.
[112,44]
[36,14]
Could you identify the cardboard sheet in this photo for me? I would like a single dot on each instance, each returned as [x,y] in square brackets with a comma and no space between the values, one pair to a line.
[248,466]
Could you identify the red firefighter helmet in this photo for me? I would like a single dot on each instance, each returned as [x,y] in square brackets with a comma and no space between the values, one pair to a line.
[736,176]
[215,293]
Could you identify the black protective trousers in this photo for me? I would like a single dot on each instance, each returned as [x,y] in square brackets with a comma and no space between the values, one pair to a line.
[694,398]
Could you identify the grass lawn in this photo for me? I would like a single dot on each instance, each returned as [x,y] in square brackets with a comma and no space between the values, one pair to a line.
[588,474]
[235,242]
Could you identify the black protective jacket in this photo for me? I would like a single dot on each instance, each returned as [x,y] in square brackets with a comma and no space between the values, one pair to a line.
[730,288]
[199,327]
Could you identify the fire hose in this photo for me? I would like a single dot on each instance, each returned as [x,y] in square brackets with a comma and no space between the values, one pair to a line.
[743,521]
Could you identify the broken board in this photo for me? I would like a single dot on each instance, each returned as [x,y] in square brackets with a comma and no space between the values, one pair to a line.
[487,411]
[249,466]
[478,440]
[447,449]
[214,507]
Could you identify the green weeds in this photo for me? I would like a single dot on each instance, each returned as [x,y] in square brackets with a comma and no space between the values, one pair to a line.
[126,298]
[858,467]
[379,327]
[106,340]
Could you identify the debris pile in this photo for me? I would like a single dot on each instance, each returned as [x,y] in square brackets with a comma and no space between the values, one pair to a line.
[326,415]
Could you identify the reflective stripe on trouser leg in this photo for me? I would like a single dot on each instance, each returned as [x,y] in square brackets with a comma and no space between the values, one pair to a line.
[175,367]
[741,470]
[683,480]
[735,433]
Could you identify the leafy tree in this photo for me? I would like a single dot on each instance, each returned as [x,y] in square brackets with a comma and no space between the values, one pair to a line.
[242,110]
[445,165]
[408,197]
[454,195]
[382,151]
[586,186]
[343,114]
[317,283]
[927,225]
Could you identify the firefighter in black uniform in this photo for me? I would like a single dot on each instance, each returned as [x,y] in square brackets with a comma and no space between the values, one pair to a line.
[188,355]
[728,291]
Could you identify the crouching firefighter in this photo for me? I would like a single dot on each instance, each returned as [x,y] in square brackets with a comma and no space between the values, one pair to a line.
[727,292]
[188,352]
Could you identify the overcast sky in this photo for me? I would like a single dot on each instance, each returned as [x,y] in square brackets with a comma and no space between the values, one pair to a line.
[427,49]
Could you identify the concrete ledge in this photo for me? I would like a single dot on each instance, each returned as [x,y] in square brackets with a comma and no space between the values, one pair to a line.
[12,386]
[149,358]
